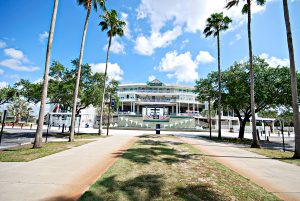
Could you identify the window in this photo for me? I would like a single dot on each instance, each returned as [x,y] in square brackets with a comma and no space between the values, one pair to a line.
[127,96]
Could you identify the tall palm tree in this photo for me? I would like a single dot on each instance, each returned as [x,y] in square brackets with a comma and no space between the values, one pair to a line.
[115,26]
[247,10]
[87,5]
[293,79]
[39,130]
[216,23]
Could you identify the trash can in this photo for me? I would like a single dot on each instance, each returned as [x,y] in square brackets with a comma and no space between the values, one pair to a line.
[157,129]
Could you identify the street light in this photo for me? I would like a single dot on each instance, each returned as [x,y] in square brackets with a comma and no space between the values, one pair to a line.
[209,116]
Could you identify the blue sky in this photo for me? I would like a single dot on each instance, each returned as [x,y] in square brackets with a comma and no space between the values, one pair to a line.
[163,38]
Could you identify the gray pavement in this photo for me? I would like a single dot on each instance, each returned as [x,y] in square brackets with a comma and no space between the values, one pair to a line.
[278,177]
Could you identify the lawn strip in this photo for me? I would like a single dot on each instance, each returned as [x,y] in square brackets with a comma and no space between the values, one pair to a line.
[162,168]
[25,153]
[276,154]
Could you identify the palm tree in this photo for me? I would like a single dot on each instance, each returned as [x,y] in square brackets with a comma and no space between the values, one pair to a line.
[293,79]
[39,130]
[87,5]
[247,10]
[115,27]
[216,23]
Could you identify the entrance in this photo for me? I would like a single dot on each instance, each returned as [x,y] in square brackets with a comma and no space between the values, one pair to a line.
[155,111]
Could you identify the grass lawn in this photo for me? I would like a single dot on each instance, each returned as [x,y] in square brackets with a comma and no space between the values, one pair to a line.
[162,168]
[26,153]
[78,136]
[230,140]
[268,152]
[276,154]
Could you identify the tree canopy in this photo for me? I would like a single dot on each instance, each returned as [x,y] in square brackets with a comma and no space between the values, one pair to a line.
[61,87]
[272,88]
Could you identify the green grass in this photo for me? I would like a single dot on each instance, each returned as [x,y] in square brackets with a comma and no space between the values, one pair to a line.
[78,136]
[230,140]
[162,168]
[276,154]
[26,153]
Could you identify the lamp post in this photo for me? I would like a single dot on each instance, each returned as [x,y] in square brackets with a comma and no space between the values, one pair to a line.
[108,115]
[209,116]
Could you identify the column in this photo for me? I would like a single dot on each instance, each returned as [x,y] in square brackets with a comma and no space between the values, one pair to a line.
[122,106]
[193,107]
[133,106]
[172,109]
[176,108]
[188,107]
[179,108]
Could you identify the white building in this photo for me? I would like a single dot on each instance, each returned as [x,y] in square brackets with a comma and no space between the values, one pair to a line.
[157,98]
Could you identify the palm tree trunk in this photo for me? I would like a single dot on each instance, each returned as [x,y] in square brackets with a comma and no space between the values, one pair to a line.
[219,83]
[104,85]
[255,142]
[293,79]
[39,130]
[72,131]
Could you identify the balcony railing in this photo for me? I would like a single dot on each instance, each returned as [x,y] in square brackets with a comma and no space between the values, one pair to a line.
[155,100]
[157,91]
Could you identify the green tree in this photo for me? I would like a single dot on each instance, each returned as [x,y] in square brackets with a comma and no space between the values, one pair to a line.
[32,92]
[214,25]
[39,130]
[19,108]
[7,94]
[293,79]
[115,26]
[87,5]
[235,88]
[247,10]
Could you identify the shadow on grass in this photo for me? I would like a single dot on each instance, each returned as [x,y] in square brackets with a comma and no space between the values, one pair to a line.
[157,152]
[249,157]
[197,192]
[144,187]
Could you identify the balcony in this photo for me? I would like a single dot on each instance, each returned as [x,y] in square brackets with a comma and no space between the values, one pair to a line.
[161,100]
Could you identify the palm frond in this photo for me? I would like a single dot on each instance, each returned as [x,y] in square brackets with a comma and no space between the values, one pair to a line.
[231,3]
[245,9]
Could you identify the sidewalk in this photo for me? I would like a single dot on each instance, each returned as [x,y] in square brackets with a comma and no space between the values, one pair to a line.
[280,178]
[62,176]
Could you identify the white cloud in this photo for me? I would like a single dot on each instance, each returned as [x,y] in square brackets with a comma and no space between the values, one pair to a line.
[127,32]
[179,66]
[3,84]
[191,14]
[1,72]
[15,54]
[2,44]
[151,78]
[274,61]
[237,38]
[43,36]
[147,45]
[17,61]
[204,57]
[17,65]
[116,47]
[114,71]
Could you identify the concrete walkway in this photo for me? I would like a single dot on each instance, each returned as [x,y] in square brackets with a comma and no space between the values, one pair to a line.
[278,177]
[62,176]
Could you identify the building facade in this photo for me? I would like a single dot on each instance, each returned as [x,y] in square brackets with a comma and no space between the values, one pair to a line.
[157,98]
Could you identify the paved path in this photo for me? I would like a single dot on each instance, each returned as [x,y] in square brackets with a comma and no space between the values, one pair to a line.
[280,178]
[62,176]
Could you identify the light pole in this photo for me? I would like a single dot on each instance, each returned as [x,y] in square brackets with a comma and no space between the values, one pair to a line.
[209,116]
[108,115]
